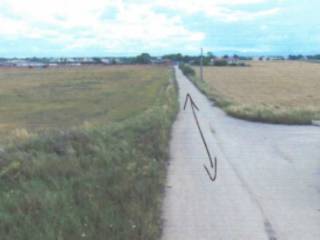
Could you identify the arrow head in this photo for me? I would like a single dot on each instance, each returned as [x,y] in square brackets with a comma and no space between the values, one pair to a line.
[193,105]
[213,166]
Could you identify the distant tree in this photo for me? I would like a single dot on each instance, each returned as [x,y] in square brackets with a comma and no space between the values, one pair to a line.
[187,69]
[295,57]
[143,58]
[314,57]
[244,58]
[187,58]
[178,57]
[220,62]
[97,60]
[210,55]
[206,61]
[226,56]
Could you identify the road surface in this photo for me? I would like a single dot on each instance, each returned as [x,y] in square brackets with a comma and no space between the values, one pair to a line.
[268,184]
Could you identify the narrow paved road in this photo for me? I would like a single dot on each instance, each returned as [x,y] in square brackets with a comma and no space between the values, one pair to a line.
[268,184]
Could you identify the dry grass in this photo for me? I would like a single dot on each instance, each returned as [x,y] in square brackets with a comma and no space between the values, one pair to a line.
[279,92]
[61,98]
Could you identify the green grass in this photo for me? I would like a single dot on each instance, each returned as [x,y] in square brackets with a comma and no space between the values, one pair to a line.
[99,182]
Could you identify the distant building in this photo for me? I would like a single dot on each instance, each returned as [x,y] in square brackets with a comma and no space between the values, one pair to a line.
[75,64]
[157,61]
[87,61]
[27,64]
[118,61]
[277,58]
[232,60]
[106,61]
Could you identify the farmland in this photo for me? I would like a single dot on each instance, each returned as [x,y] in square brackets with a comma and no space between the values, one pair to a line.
[277,92]
[84,151]
[61,98]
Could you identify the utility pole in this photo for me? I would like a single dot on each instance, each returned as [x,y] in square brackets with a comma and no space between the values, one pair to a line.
[201,65]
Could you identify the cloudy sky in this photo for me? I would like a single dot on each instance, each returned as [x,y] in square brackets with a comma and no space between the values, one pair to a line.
[128,27]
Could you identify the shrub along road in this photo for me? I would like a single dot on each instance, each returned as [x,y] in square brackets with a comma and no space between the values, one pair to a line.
[268,184]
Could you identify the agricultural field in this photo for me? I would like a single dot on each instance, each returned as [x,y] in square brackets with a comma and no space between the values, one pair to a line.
[83,151]
[276,91]
[61,98]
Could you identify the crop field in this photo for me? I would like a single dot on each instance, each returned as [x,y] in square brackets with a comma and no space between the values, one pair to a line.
[83,151]
[44,99]
[277,92]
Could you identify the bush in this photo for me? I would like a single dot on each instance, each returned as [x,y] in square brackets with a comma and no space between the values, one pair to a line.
[220,62]
[187,70]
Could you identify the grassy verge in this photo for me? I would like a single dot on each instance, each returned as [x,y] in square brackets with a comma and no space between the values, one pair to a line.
[103,182]
[257,109]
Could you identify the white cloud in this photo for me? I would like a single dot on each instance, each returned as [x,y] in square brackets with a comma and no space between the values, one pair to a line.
[135,26]
[80,24]
[233,16]
[243,50]
[218,9]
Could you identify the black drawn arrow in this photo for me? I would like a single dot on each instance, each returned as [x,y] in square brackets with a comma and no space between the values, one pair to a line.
[213,164]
